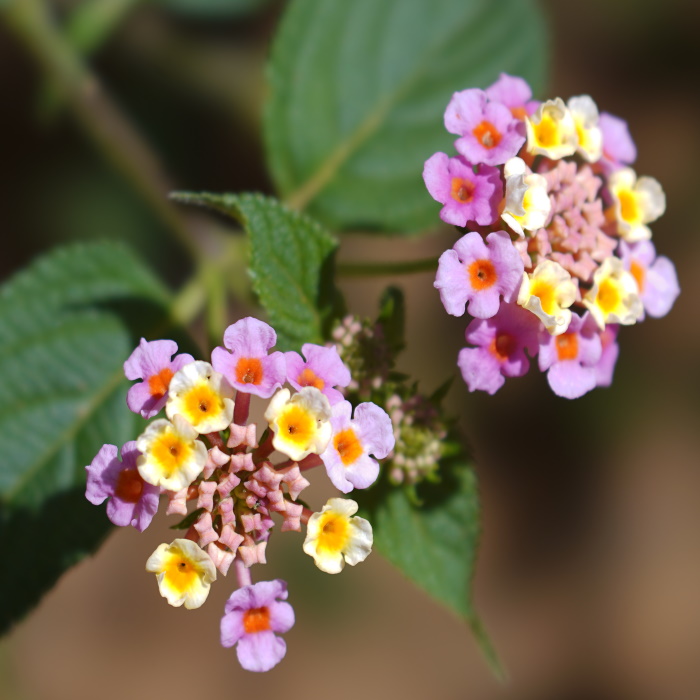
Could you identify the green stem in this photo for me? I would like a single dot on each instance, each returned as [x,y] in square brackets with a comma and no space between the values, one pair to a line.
[99,118]
[407,267]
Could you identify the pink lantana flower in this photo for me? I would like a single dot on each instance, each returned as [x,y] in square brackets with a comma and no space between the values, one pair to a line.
[488,131]
[570,358]
[467,196]
[132,501]
[151,362]
[347,458]
[605,368]
[320,367]
[618,146]
[655,276]
[246,364]
[514,93]
[253,617]
[479,273]
[501,343]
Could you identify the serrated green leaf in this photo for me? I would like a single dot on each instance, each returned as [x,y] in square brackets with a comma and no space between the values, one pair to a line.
[435,543]
[358,92]
[291,258]
[67,323]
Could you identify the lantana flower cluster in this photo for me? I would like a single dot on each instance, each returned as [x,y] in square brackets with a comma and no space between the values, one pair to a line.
[557,252]
[214,469]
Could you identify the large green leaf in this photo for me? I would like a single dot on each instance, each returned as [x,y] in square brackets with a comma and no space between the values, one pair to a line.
[358,92]
[291,260]
[434,539]
[67,324]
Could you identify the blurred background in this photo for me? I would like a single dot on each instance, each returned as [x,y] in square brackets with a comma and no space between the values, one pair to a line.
[589,572]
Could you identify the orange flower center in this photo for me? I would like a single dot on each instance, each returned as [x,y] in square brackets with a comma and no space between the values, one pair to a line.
[502,346]
[519,112]
[158,384]
[308,377]
[639,274]
[256,620]
[462,190]
[347,445]
[487,135]
[567,346]
[129,486]
[482,274]
[249,370]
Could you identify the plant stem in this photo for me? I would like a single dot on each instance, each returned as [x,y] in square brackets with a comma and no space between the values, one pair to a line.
[103,123]
[408,267]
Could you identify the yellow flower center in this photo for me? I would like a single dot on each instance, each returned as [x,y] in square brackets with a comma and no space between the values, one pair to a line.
[546,293]
[180,573]
[629,206]
[608,298]
[200,403]
[170,451]
[333,532]
[297,426]
[348,446]
[546,132]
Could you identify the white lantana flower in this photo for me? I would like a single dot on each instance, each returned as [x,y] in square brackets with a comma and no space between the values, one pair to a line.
[637,202]
[614,296]
[590,136]
[334,537]
[548,292]
[527,204]
[301,424]
[184,572]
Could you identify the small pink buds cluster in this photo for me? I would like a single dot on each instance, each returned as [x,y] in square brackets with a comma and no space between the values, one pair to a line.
[206,458]
[557,254]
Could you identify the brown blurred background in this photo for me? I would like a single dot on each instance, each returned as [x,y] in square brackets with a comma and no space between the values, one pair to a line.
[589,573]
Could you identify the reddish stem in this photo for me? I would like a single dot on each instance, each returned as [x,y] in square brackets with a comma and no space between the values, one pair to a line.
[241,408]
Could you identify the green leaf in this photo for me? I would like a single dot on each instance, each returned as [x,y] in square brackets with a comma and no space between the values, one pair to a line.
[67,323]
[290,264]
[392,317]
[435,543]
[358,92]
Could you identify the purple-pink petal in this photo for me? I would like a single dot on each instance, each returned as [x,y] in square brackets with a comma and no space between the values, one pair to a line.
[250,337]
[375,429]
[618,146]
[571,380]
[513,92]
[260,652]
[103,476]
[149,359]
[324,363]
[501,344]
[480,370]
[657,280]
[470,109]
[274,370]
[606,365]
[482,191]
[454,275]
